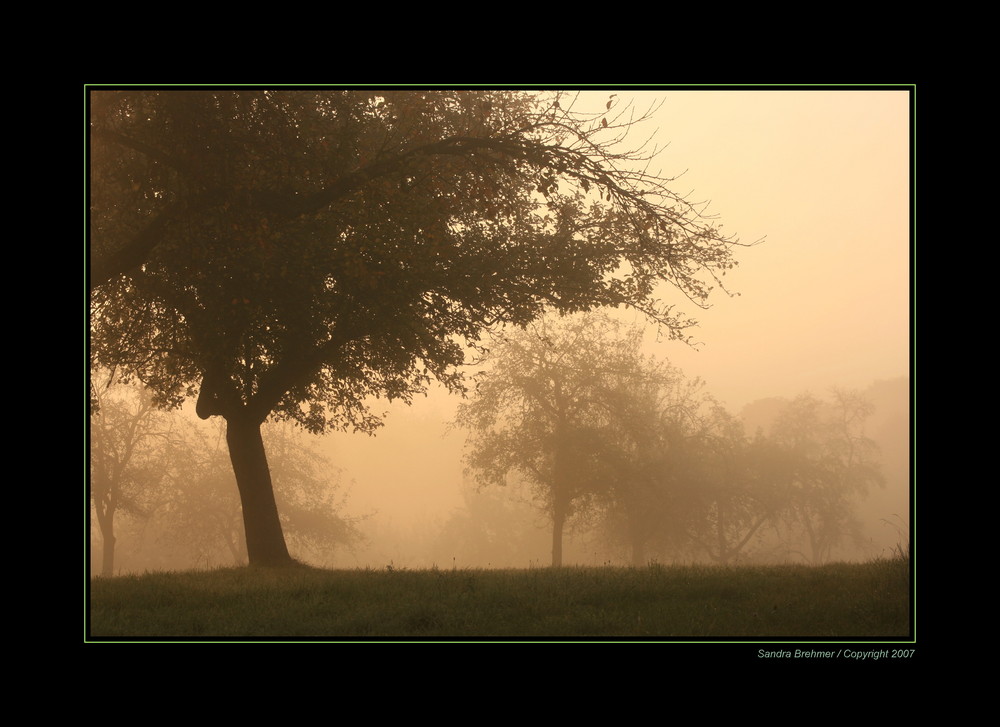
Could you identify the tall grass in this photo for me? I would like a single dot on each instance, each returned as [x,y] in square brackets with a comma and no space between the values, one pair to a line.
[840,601]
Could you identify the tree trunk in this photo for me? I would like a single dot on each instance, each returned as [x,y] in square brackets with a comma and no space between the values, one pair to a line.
[108,560]
[720,526]
[265,540]
[558,520]
[105,507]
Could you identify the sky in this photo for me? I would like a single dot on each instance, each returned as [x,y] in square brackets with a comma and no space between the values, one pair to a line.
[821,178]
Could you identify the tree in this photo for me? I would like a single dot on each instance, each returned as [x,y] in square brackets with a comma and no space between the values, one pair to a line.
[127,438]
[311,494]
[539,413]
[493,528]
[740,486]
[295,253]
[199,519]
[831,463]
[650,417]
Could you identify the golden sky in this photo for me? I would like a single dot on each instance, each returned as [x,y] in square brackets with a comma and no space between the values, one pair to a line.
[824,177]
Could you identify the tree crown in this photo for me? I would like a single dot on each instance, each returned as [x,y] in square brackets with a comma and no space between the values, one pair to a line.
[299,251]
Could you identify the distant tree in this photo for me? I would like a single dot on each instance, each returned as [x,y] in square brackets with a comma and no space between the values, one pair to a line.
[650,417]
[491,529]
[127,440]
[740,487]
[832,464]
[540,413]
[295,253]
[198,517]
[889,427]
[311,494]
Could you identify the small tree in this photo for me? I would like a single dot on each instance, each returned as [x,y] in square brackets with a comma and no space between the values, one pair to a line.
[539,413]
[312,495]
[295,253]
[832,463]
[650,417]
[740,486]
[199,517]
[127,440]
[492,528]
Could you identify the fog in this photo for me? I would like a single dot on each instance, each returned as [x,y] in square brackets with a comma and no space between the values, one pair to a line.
[822,177]
[822,180]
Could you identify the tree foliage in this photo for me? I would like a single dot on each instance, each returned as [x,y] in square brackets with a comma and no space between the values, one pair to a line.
[237,230]
[298,252]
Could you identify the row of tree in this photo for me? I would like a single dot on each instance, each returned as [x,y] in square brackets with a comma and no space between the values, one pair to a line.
[571,408]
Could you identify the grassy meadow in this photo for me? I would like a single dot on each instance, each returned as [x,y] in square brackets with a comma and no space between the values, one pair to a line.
[838,601]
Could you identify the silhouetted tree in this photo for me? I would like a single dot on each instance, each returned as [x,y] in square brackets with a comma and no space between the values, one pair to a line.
[294,253]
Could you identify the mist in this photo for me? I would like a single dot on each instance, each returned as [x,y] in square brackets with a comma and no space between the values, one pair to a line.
[822,180]
[823,302]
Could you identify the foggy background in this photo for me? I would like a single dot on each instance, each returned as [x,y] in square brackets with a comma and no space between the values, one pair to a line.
[823,301]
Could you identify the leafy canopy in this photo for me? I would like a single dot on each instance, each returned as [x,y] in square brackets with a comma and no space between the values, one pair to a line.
[298,251]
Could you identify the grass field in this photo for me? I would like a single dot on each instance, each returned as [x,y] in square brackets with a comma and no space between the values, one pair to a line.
[839,601]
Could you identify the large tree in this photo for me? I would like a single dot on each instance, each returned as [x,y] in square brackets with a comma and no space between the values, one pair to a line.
[295,252]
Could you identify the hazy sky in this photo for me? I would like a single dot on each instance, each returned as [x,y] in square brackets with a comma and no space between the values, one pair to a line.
[824,175]
[824,300]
